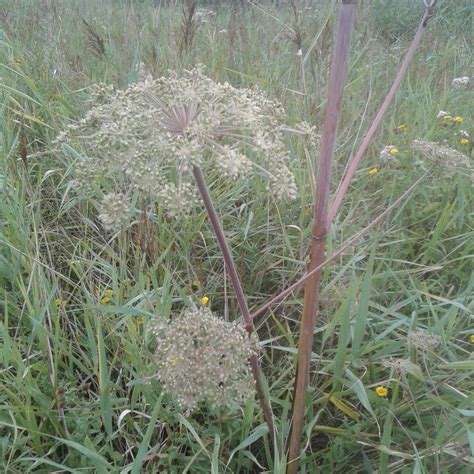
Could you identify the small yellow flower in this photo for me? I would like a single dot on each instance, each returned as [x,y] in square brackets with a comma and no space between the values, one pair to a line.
[464,141]
[373,171]
[18,61]
[402,128]
[58,302]
[381,391]
[105,300]
[204,300]
[457,119]
[393,151]
[196,284]
[109,292]
[471,338]
[447,117]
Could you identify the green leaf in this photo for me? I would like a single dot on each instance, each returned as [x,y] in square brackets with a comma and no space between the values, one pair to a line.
[215,455]
[358,387]
[257,433]
[191,429]
[143,449]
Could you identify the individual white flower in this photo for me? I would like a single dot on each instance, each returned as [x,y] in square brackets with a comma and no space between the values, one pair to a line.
[443,113]
[388,152]
[461,82]
[464,133]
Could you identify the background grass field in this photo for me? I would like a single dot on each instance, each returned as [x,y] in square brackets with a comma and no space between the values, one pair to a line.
[75,369]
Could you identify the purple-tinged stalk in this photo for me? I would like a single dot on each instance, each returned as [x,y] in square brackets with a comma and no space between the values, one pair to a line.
[346,181]
[239,292]
[320,226]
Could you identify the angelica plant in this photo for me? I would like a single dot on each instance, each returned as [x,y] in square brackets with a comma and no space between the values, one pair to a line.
[148,137]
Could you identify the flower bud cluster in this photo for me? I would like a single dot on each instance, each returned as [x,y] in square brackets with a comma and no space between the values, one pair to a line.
[201,357]
[148,137]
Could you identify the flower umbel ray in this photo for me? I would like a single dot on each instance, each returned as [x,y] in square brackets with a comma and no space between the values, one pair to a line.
[177,119]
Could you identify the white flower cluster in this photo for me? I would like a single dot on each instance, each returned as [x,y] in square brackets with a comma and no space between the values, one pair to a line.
[149,136]
[402,366]
[422,340]
[201,357]
[114,211]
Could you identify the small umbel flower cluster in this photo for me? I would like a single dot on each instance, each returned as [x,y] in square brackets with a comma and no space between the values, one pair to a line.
[442,155]
[149,136]
[201,357]
[422,340]
[402,366]
[114,211]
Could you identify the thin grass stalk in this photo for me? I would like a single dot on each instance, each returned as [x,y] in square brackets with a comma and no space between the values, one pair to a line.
[320,226]
[236,283]
[352,240]
[346,181]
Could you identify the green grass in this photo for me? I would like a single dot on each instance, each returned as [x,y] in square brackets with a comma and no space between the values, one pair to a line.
[76,389]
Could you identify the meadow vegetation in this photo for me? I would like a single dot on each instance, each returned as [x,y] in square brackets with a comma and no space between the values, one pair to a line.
[391,386]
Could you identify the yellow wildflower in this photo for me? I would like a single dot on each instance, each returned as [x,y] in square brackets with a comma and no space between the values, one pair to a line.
[373,171]
[447,117]
[204,300]
[402,128]
[471,338]
[105,300]
[58,302]
[196,284]
[393,151]
[457,119]
[18,61]
[381,391]
[109,292]
[464,141]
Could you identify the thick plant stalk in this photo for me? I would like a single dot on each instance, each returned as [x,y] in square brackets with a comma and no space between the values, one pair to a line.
[234,278]
[320,226]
